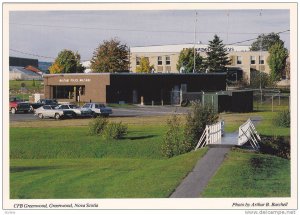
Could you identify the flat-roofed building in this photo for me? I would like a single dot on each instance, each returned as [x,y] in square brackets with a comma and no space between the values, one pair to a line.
[165,57]
[129,87]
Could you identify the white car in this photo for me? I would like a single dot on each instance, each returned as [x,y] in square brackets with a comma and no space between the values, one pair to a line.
[78,112]
[48,111]
[98,109]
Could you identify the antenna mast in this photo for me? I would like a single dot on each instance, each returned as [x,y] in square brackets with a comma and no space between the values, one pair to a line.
[194,70]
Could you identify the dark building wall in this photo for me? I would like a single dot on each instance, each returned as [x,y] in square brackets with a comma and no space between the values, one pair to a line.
[230,101]
[157,87]
[242,101]
[16,61]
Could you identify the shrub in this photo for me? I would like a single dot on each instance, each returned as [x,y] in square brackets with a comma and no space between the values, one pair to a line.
[115,130]
[282,119]
[97,125]
[278,146]
[172,142]
[196,122]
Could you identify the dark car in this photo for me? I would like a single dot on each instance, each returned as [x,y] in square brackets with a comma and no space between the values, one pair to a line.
[16,106]
[43,102]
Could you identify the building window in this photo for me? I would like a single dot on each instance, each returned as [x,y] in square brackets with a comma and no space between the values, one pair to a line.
[261,59]
[252,59]
[138,61]
[159,60]
[239,60]
[168,60]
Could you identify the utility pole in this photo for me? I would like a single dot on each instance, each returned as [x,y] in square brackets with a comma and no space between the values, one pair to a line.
[259,64]
[195,42]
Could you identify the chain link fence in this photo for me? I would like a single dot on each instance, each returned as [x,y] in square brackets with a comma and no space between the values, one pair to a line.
[270,100]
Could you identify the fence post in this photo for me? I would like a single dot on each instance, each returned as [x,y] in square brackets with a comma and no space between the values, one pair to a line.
[272,103]
[279,99]
[207,136]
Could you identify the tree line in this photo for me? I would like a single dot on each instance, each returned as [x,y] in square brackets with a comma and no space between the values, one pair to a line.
[112,56]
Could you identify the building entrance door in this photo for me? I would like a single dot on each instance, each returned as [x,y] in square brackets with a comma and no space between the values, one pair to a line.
[134,97]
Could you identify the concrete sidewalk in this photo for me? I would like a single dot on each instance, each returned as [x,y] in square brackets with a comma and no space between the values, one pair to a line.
[196,181]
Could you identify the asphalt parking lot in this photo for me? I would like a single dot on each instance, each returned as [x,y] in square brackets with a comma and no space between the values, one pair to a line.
[118,112]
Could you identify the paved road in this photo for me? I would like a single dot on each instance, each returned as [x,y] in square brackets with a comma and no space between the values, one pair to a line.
[196,181]
[118,112]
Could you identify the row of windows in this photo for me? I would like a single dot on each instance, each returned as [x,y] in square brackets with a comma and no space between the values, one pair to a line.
[159,60]
[252,60]
[239,60]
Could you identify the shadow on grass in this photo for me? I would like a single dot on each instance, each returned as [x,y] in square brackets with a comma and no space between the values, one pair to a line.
[30,168]
[141,137]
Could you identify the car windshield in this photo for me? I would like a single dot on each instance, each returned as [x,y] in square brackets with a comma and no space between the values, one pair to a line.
[86,106]
[46,107]
[73,106]
[99,105]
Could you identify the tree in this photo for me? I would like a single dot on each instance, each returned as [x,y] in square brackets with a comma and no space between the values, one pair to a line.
[287,69]
[264,42]
[260,79]
[186,61]
[196,121]
[110,56]
[144,65]
[216,55]
[277,60]
[67,62]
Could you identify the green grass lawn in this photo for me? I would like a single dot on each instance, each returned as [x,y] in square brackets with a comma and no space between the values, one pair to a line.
[99,178]
[29,85]
[245,174]
[67,163]
[74,142]
[265,127]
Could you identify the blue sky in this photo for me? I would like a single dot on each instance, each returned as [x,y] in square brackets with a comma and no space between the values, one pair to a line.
[46,33]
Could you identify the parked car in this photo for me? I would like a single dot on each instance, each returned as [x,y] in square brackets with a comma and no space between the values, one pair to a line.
[98,109]
[78,112]
[49,111]
[42,102]
[16,106]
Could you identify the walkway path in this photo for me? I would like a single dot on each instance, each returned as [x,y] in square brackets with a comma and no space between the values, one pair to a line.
[196,181]
[193,185]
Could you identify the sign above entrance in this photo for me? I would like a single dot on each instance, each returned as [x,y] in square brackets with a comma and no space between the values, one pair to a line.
[74,80]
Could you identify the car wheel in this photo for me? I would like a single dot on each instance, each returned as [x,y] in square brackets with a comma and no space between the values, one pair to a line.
[95,115]
[40,115]
[57,116]
[74,115]
[13,111]
[106,115]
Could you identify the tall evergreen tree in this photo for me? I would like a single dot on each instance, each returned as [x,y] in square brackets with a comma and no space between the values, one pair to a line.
[216,55]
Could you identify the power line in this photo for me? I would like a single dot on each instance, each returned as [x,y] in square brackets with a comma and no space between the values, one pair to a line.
[42,56]
[26,53]
[131,30]
[281,32]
